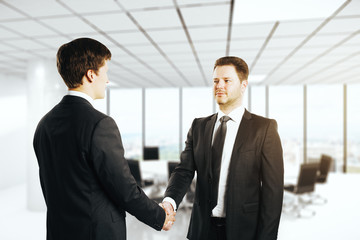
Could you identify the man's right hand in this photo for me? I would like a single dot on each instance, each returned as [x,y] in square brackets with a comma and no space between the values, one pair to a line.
[170,215]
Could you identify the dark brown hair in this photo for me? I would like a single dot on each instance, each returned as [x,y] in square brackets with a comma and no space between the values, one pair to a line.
[75,58]
[240,65]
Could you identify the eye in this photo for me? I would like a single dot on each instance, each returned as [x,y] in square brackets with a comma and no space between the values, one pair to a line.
[216,81]
[227,80]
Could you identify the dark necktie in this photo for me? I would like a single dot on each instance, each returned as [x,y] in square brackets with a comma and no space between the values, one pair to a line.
[216,156]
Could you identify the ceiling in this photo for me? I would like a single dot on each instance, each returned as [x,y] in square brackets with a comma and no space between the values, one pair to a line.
[174,43]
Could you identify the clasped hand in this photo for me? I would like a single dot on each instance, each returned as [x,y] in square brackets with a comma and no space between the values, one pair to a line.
[170,215]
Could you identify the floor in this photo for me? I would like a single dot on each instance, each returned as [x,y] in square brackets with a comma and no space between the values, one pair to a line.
[337,219]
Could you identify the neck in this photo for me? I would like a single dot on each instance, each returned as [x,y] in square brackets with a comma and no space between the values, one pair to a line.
[229,108]
[83,89]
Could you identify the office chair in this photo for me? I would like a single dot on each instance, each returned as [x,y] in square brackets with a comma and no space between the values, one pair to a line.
[188,199]
[324,169]
[151,153]
[305,184]
[148,186]
[321,177]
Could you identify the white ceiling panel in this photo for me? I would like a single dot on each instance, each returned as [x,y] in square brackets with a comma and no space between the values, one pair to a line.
[258,30]
[157,19]
[141,4]
[304,27]
[210,57]
[69,25]
[313,51]
[237,45]
[28,28]
[181,58]
[23,55]
[325,40]
[54,41]
[353,8]
[347,25]
[130,38]
[284,42]
[4,47]
[202,2]
[182,48]
[82,6]
[112,22]
[38,8]
[168,36]
[143,50]
[6,34]
[24,44]
[354,42]
[202,46]
[8,13]
[209,33]
[206,15]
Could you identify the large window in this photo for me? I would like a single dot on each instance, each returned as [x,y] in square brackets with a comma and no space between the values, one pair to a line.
[126,109]
[286,107]
[162,121]
[197,102]
[258,100]
[353,129]
[325,123]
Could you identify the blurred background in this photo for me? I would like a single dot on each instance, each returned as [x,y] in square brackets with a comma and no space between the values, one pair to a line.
[304,61]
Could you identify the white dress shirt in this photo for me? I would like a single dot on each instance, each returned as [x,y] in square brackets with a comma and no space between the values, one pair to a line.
[231,132]
[81,94]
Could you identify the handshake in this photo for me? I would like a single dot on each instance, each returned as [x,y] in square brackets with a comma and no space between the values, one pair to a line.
[170,215]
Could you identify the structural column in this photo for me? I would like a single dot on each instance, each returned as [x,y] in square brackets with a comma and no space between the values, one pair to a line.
[45,89]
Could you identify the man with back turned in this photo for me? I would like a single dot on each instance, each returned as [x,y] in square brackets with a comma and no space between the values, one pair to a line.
[238,160]
[86,181]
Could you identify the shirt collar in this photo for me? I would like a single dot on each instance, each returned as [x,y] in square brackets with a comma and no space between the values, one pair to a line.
[82,95]
[235,115]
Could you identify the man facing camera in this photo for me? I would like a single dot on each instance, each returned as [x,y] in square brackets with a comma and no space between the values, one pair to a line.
[85,179]
[238,160]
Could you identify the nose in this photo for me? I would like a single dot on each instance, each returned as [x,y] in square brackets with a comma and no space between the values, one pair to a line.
[220,84]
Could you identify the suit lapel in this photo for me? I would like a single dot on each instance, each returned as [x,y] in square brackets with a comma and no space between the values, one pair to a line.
[241,137]
[243,132]
[209,128]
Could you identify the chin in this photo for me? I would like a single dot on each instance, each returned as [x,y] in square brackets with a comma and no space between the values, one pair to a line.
[220,100]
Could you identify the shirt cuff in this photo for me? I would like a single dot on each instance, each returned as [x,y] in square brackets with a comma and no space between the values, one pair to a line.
[171,201]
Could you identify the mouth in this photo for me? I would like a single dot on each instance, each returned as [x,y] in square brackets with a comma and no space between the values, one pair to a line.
[219,94]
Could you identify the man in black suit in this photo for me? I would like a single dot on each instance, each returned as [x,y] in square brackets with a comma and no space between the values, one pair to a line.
[86,181]
[238,160]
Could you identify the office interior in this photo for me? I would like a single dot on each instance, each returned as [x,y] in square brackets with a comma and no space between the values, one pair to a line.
[303,58]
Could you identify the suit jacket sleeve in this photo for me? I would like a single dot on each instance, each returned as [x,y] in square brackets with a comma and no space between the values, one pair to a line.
[183,174]
[272,184]
[112,169]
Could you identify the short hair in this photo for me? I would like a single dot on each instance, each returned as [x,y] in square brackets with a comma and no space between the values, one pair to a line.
[240,65]
[75,58]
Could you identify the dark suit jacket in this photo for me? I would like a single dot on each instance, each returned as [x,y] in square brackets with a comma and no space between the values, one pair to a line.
[254,190]
[84,176]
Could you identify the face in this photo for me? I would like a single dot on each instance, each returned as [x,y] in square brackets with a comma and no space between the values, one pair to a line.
[228,90]
[100,82]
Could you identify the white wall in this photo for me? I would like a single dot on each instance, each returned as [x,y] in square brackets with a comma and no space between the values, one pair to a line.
[13,131]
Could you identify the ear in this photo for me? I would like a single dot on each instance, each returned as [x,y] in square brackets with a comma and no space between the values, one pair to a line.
[90,75]
[244,84]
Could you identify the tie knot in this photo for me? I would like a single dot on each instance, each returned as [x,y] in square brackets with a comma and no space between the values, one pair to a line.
[224,119]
